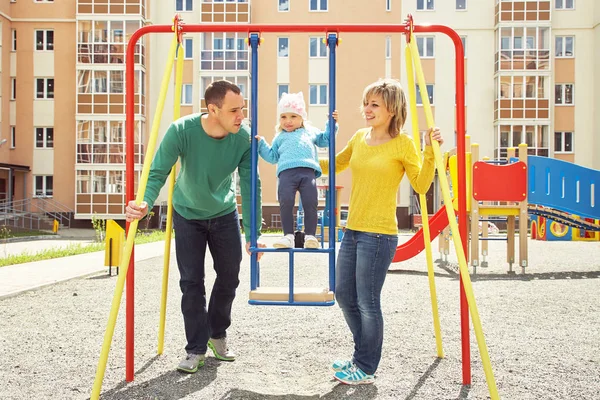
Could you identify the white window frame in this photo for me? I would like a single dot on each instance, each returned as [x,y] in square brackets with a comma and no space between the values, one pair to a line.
[388,47]
[388,5]
[279,44]
[45,92]
[563,142]
[563,88]
[423,49]
[187,56]
[187,94]
[13,40]
[562,5]
[44,187]
[563,46]
[46,45]
[184,6]
[319,87]
[318,9]
[431,94]
[320,46]
[461,9]
[13,136]
[13,88]
[280,89]
[425,6]
[44,137]
[282,2]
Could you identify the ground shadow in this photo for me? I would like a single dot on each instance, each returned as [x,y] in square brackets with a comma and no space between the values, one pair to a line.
[172,385]
[451,274]
[423,378]
[340,391]
[464,392]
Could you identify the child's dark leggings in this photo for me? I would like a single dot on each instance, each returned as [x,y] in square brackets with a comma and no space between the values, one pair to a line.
[301,180]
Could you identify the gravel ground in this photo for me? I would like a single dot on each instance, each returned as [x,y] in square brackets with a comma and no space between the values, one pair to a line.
[542,331]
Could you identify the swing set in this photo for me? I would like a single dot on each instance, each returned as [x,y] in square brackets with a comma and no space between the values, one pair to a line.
[291,295]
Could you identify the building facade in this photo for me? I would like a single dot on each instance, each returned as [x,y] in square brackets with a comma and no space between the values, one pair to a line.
[531,73]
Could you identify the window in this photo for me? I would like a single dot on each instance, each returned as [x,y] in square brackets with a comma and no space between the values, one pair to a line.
[43,185]
[13,88]
[186,94]
[425,5]
[564,4]
[429,92]
[281,89]
[563,94]
[318,5]
[183,5]
[318,95]
[283,47]
[461,4]
[388,47]
[44,137]
[563,142]
[13,137]
[44,88]
[317,47]
[388,5]
[188,47]
[14,40]
[284,5]
[464,43]
[564,46]
[44,40]
[425,45]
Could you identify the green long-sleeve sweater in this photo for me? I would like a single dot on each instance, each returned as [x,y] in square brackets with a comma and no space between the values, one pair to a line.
[204,188]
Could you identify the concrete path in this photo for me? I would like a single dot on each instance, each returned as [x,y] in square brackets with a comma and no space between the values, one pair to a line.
[15,279]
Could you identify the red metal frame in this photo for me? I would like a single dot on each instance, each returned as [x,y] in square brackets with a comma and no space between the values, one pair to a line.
[334,28]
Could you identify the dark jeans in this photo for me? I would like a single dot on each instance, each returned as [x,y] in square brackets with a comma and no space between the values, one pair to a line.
[301,180]
[362,265]
[224,241]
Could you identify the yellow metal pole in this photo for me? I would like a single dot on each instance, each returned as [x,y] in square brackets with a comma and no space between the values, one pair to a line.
[114,310]
[462,261]
[169,227]
[423,201]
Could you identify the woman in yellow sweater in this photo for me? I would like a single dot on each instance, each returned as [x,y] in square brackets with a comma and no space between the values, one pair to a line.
[378,157]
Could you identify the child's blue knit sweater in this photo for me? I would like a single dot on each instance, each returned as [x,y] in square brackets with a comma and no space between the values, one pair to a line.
[296,149]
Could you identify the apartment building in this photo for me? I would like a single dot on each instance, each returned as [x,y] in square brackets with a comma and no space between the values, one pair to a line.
[531,76]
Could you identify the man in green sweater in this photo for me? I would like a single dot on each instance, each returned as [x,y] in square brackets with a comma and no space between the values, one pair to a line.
[211,147]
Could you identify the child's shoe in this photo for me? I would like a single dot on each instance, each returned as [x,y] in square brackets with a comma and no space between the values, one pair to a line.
[311,242]
[341,365]
[286,242]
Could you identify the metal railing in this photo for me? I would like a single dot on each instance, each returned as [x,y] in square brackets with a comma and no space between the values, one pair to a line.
[34,213]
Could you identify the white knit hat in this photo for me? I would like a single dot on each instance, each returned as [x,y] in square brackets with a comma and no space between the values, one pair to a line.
[293,103]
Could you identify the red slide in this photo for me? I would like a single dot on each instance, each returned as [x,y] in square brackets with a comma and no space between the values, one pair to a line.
[415,244]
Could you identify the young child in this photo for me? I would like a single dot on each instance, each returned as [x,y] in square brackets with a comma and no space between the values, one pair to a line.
[294,150]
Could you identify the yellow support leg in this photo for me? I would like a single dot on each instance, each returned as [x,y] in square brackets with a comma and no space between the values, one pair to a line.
[124,266]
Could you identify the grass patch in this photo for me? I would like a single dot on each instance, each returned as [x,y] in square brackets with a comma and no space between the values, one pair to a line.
[74,249]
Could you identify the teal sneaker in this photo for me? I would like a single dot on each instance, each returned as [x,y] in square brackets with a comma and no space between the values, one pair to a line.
[341,365]
[354,376]
[191,363]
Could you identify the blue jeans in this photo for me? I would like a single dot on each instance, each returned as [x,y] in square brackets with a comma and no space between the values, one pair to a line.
[301,180]
[362,265]
[222,234]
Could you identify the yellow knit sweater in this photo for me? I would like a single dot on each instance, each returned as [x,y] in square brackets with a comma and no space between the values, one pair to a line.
[376,175]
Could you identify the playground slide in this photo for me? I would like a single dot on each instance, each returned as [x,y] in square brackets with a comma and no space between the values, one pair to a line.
[416,244]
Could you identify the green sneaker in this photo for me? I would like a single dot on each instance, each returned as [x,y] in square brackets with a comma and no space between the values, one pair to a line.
[220,349]
[191,363]
[341,365]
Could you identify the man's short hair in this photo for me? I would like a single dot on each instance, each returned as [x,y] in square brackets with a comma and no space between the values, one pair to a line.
[216,91]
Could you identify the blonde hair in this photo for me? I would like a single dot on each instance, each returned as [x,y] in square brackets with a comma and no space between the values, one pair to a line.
[394,101]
